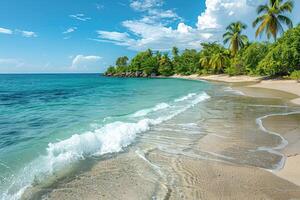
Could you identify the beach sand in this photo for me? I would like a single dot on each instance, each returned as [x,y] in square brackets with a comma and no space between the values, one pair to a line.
[222,78]
[286,89]
[158,174]
[291,132]
[289,86]
[286,86]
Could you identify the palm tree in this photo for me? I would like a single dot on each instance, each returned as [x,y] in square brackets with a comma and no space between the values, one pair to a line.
[175,51]
[219,60]
[234,35]
[214,57]
[272,17]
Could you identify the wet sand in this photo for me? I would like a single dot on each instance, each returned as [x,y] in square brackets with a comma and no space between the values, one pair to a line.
[289,127]
[218,163]
[126,177]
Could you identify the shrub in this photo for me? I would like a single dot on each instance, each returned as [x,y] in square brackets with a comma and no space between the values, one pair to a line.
[252,55]
[295,75]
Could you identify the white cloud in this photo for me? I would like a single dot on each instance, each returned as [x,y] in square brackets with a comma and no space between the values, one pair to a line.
[10,63]
[81,62]
[182,28]
[70,30]
[157,37]
[153,30]
[143,5]
[80,17]
[219,13]
[6,31]
[17,31]
[152,11]
[27,34]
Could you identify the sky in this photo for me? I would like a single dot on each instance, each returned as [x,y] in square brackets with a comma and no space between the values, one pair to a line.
[86,36]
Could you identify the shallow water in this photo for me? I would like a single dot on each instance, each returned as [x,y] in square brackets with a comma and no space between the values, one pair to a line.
[49,122]
[68,130]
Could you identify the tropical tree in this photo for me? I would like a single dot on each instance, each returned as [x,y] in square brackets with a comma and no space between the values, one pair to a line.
[271,18]
[214,58]
[122,61]
[175,51]
[165,66]
[235,37]
[283,56]
[110,71]
[220,60]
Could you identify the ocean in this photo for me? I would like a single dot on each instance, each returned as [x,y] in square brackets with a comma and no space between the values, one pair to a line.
[69,136]
[49,122]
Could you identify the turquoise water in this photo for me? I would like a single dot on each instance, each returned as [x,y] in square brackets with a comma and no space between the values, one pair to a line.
[48,122]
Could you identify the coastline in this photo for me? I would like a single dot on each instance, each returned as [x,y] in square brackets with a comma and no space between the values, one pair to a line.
[242,82]
[251,86]
[200,169]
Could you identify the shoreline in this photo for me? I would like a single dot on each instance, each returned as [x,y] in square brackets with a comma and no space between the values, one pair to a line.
[242,82]
[197,177]
[249,86]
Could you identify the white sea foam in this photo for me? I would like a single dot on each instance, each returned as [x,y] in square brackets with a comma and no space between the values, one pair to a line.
[236,92]
[144,112]
[185,97]
[275,149]
[113,137]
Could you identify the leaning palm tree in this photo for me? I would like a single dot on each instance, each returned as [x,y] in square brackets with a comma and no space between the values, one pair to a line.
[272,17]
[235,37]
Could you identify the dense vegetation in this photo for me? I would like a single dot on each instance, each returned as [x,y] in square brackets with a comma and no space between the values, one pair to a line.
[280,58]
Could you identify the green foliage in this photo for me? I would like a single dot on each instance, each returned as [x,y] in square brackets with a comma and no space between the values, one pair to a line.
[272,16]
[278,59]
[236,66]
[122,61]
[110,71]
[234,37]
[251,56]
[295,75]
[165,66]
[214,58]
[187,63]
[284,55]
[149,65]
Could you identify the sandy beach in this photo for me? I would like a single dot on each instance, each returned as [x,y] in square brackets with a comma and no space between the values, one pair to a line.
[290,130]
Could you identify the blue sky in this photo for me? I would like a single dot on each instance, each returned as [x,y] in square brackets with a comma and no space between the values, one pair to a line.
[87,36]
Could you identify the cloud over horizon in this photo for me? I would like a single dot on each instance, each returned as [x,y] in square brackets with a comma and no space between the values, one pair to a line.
[82,63]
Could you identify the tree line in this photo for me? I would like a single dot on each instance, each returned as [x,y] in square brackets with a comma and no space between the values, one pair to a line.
[280,58]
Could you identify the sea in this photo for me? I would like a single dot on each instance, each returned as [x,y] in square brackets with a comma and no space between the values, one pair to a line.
[51,122]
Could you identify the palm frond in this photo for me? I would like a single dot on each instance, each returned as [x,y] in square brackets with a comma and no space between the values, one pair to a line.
[262,27]
[258,19]
[286,7]
[285,20]
[262,8]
